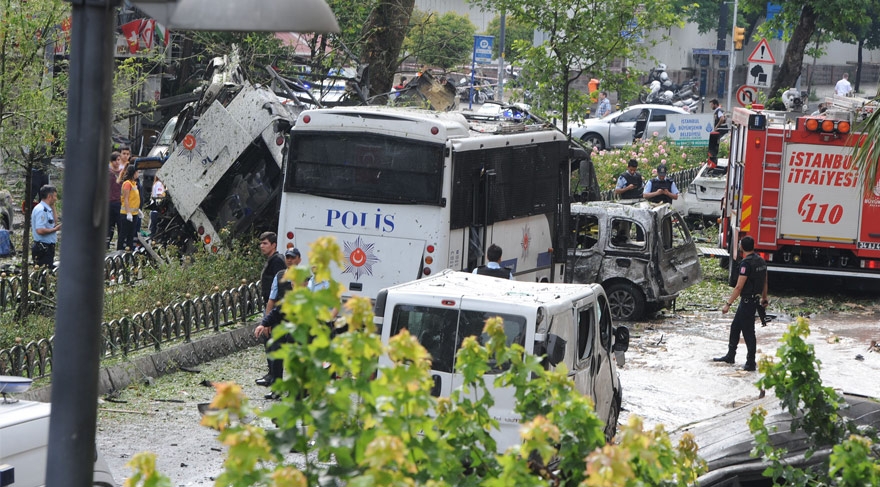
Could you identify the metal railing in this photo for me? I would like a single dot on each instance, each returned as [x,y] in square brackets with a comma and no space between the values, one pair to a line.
[148,330]
[124,268]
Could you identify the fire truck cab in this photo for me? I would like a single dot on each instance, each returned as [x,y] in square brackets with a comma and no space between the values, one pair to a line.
[792,186]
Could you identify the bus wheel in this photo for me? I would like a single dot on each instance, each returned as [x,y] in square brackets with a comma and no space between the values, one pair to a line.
[627,302]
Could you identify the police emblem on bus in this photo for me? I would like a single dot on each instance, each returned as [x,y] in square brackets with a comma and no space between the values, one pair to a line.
[191,147]
[359,258]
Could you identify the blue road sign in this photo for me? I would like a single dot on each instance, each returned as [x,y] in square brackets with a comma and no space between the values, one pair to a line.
[483,49]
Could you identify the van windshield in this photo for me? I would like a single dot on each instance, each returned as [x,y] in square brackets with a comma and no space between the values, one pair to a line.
[441,330]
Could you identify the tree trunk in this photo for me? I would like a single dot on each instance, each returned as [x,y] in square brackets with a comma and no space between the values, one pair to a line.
[793,63]
[384,30]
[24,292]
[858,79]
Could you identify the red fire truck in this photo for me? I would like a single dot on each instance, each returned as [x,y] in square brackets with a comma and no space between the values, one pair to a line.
[792,186]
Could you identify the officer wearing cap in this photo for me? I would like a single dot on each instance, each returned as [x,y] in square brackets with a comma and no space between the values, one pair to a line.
[280,286]
[751,287]
[629,184]
[660,189]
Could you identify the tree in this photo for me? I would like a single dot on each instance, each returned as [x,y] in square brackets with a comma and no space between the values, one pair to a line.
[442,41]
[799,20]
[514,30]
[33,113]
[384,32]
[581,36]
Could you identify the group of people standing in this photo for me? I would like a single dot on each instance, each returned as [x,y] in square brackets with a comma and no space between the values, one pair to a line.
[273,286]
[124,212]
[630,185]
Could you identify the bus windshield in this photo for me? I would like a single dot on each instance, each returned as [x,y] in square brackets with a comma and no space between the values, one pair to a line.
[365,167]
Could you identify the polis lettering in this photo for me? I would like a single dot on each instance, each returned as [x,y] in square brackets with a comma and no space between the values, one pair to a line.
[351,219]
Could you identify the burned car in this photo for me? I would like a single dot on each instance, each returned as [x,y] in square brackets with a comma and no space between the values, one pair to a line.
[643,255]
[702,200]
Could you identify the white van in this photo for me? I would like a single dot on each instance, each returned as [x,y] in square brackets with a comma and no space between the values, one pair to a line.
[24,439]
[569,323]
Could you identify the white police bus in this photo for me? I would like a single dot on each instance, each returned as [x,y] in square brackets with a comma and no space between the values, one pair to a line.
[410,192]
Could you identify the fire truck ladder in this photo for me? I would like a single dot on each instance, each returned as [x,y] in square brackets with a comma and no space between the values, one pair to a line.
[768,212]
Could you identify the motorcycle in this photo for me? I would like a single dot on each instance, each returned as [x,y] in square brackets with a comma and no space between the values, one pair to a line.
[662,91]
[794,100]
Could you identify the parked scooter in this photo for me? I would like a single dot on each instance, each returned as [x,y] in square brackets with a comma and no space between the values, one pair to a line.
[794,100]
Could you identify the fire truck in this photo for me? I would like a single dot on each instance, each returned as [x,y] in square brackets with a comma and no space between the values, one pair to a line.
[793,187]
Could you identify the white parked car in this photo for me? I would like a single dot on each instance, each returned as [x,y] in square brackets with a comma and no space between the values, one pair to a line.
[618,129]
[703,196]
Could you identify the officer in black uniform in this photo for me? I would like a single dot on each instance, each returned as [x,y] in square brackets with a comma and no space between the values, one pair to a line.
[493,267]
[629,184]
[660,189]
[751,287]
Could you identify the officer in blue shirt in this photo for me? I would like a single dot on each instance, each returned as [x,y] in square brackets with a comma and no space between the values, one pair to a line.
[45,227]
[493,267]
[660,189]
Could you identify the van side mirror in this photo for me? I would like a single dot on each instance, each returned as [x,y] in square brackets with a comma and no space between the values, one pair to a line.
[621,339]
[555,349]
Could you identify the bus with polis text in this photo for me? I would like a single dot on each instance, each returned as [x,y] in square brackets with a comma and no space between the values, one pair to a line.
[410,192]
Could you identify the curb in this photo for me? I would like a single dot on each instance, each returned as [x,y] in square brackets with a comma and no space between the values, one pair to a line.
[120,376]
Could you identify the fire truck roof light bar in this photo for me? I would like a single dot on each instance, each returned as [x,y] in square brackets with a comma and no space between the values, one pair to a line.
[827,126]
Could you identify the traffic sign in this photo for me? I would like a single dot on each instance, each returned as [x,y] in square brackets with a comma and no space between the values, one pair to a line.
[759,75]
[746,95]
[762,53]
[483,49]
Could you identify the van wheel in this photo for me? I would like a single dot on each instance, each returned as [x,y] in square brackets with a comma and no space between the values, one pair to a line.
[626,302]
[613,417]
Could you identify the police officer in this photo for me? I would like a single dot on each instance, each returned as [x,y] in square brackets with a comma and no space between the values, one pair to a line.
[44,227]
[493,267]
[751,286]
[629,184]
[660,189]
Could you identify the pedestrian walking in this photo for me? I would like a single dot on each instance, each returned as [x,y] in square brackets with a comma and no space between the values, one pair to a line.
[44,227]
[843,87]
[751,288]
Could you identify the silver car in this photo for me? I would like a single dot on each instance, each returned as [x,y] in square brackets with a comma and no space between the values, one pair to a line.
[618,129]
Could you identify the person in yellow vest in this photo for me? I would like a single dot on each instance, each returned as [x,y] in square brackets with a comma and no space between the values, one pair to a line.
[129,211]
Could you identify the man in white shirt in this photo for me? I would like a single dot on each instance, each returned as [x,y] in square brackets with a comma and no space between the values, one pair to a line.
[843,87]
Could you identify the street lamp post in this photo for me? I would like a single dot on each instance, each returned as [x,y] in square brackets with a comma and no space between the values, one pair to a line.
[75,358]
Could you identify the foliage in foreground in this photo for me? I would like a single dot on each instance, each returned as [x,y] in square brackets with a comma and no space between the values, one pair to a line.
[360,431]
[795,379]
